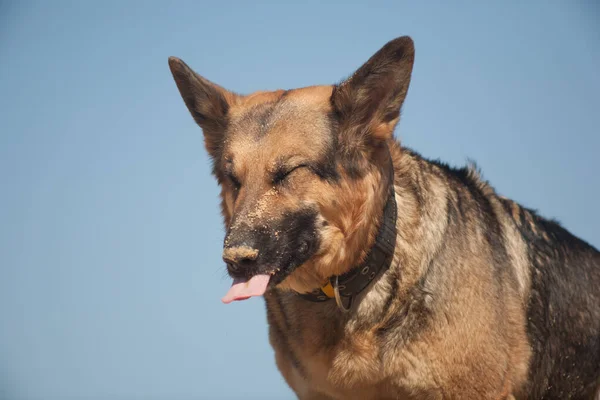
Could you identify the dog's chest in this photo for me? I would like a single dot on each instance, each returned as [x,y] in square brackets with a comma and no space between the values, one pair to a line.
[341,379]
[344,379]
[332,361]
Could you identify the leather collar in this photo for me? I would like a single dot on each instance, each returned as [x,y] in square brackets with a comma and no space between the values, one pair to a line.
[377,261]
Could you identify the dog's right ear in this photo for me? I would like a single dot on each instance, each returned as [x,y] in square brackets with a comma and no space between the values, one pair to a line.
[207,102]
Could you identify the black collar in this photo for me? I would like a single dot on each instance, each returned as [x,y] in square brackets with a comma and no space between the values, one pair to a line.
[377,261]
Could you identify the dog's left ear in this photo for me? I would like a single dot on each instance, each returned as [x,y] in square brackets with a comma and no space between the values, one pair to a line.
[368,103]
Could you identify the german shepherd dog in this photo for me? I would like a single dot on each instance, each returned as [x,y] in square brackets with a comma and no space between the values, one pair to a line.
[387,275]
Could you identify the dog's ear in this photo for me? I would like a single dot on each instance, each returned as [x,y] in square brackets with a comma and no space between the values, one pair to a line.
[207,102]
[368,103]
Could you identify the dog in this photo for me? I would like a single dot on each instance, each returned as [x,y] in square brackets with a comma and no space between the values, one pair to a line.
[387,275]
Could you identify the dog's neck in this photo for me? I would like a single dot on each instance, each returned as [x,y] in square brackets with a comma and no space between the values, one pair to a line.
[345,287]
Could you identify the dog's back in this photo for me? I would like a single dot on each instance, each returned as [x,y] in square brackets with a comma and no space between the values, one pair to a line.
[558,279]
[563,321]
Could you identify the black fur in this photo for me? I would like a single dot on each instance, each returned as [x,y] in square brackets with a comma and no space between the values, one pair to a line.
[299,242]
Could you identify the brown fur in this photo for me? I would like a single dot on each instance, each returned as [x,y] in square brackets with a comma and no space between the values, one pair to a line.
[449,318]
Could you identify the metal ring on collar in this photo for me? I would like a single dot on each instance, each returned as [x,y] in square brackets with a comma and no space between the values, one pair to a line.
[338,297]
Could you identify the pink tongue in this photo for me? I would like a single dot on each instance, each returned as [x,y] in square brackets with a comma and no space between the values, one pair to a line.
[243,289]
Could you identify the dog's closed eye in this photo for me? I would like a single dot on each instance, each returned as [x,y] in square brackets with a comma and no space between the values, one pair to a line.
[234,181]
[282,173]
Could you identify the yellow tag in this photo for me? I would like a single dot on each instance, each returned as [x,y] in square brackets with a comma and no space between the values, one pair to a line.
[328,290]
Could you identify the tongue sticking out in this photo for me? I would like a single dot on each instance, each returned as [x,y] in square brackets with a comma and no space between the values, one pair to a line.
[243,289]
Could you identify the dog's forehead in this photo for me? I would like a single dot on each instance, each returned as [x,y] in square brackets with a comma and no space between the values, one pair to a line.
[276,124]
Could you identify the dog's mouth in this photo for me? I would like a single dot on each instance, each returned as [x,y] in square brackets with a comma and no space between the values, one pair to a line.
[244,288]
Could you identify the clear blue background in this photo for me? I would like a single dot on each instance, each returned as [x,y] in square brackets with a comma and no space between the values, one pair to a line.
[110,234]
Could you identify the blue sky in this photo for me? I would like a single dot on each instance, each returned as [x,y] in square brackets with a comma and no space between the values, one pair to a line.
[110,235]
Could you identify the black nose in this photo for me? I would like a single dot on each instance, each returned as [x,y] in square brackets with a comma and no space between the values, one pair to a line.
[239,259]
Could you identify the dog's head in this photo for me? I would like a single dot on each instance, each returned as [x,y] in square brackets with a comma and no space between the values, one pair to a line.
[304,172]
